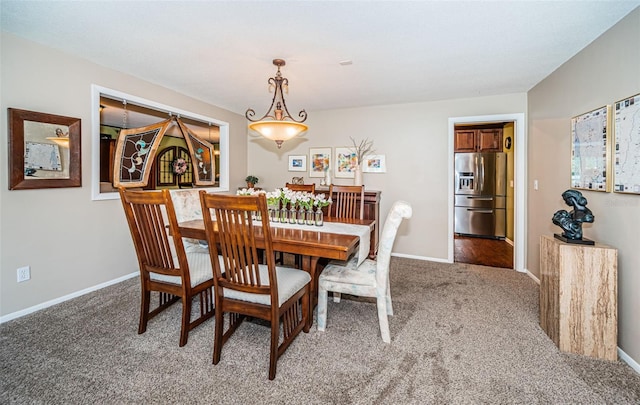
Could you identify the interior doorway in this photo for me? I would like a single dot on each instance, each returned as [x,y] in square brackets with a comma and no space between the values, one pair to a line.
[499,252]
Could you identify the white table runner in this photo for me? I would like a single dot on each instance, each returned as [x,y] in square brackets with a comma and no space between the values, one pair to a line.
[361,231]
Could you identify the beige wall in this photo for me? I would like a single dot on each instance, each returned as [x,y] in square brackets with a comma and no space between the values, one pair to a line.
[605,71]
[415,140]
[70,241]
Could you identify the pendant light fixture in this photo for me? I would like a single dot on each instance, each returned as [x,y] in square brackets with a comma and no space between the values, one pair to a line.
[277,124]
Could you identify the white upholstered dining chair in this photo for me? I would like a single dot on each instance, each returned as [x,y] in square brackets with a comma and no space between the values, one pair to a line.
[370,279]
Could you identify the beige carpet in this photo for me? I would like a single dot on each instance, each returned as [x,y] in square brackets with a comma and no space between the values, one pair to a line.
[461,334]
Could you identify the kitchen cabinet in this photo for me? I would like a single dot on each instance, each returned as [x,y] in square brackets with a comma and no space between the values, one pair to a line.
[478,140]
[578,297]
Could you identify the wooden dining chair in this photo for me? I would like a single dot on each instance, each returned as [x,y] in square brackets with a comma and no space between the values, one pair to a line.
[243,286]
[309,188]
[165,266]
[348,202]
[370,278]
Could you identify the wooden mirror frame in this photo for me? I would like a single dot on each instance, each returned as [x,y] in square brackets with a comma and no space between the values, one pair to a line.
[17,180]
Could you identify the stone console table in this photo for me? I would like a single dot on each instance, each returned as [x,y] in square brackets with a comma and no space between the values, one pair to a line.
[578,297]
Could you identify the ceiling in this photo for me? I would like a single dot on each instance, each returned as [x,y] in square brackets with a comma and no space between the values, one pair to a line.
[400,51]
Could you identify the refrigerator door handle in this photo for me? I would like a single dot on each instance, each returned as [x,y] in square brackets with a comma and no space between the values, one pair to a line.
[481,174]
[480,210]
[475,172]
[480,198]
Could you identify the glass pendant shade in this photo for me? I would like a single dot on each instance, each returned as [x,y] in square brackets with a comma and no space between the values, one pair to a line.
[278,131]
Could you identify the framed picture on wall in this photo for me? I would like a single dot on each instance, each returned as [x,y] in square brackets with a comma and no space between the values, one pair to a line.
[626,153]
[345,162]
[319,161]
[374,164]
[297,163]
[590,146]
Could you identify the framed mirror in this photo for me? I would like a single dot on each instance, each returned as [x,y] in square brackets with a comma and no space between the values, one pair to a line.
[114,111]
[44,150]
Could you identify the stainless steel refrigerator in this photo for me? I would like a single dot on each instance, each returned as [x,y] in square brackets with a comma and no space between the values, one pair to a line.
[481,194]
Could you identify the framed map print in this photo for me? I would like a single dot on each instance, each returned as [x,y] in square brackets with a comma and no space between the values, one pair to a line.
[626,164]
[590,156]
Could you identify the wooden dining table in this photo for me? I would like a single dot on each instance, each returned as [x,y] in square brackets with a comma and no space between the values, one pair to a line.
[312,245]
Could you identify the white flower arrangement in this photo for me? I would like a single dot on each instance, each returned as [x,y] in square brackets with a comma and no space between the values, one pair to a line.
[273,197]
[321,201]
[293,199]
[249,191]
[305,200]
[285,197]
[246,191]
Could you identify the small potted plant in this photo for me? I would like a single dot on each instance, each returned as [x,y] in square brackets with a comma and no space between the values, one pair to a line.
[251,180]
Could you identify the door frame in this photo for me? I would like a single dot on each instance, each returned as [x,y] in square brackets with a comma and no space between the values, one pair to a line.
[520,176]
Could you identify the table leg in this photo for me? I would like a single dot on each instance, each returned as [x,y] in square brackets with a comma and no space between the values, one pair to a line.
[310,265]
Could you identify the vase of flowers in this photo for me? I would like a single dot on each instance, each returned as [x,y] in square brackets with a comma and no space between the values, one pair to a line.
[285,199]
[273,203]
[305,213]
[304,201]
[320,202]
[301,215]
[293,213]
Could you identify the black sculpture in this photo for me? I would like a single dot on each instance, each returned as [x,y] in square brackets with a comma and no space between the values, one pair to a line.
[571,222]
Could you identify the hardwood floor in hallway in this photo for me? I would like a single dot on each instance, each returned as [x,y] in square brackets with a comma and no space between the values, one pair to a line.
[487,252]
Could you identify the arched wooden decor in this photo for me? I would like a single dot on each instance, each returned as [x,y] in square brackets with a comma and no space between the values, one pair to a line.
[135,154]
[202,153]
[136,151]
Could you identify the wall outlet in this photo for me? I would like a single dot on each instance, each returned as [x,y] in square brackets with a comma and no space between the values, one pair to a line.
[24,274]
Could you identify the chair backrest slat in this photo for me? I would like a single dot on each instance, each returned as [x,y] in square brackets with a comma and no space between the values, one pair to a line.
[235,241]
[348,202]
[151,217]
[153,234]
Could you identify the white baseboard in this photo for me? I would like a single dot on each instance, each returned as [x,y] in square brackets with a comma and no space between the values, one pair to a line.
[429,259]
[629,360]
[533,276]
[67,297]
